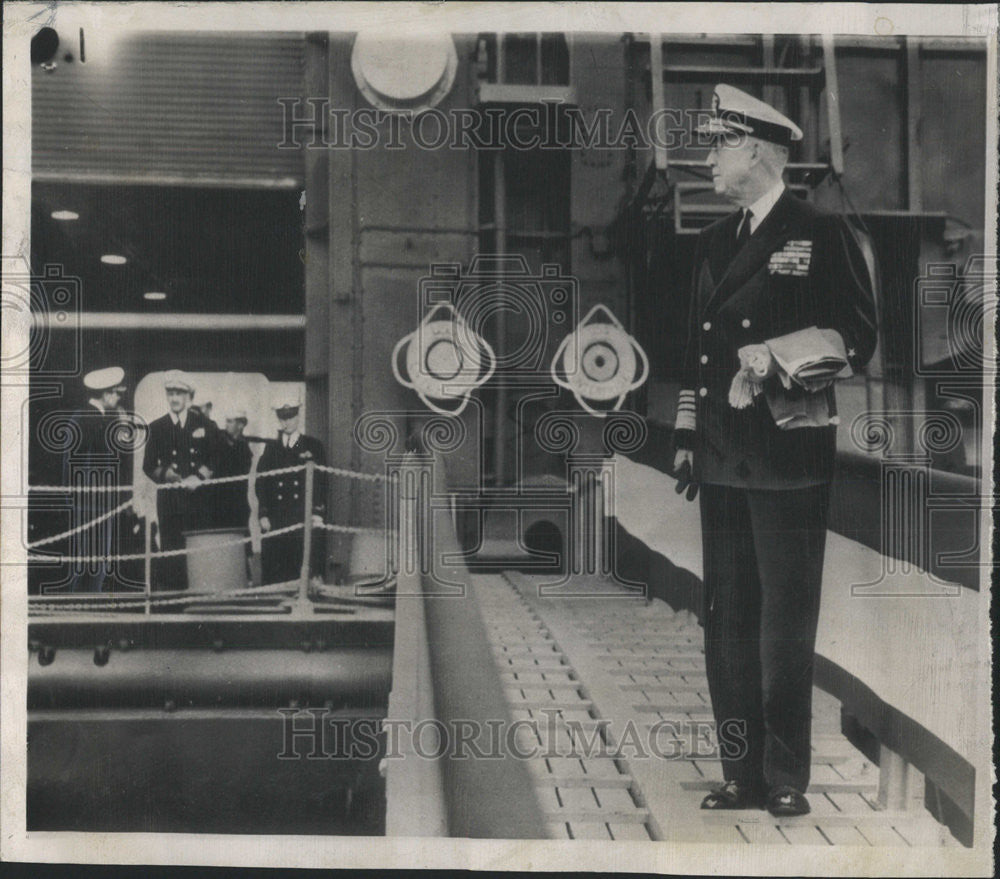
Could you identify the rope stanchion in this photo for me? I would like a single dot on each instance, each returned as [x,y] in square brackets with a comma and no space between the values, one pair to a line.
[176,486]
[145,600]
[164,554]
[167,486]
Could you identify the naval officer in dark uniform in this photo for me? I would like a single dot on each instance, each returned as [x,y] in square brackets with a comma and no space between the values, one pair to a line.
[182,448]
[229,506]
[97,459]
[774,267]
[282,497]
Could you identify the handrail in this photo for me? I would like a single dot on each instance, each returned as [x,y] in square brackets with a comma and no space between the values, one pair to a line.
[468,689]
[147,555]
[415,797]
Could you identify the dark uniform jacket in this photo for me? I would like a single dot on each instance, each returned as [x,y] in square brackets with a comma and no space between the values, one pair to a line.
[281,498]
[100,438]
[191,449]
[800,268]
[100,456]
[229,500]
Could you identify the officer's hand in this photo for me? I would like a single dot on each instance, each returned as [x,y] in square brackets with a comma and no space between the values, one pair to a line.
[191,482]
[684,471]
[265,524]
[172,475]
[317,520]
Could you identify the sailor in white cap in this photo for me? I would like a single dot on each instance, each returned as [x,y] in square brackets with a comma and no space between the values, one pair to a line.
[182,448]
[281,498]
[99,456]
[109,380]
[775,266]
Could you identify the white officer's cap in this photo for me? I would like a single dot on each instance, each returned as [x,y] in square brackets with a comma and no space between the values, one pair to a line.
[175,380]
[734,111]
[111,377]
[236,414]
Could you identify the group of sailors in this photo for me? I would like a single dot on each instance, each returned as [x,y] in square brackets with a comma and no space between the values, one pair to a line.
[186,450]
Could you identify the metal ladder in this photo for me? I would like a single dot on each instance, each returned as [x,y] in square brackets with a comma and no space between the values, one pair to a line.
[816,74]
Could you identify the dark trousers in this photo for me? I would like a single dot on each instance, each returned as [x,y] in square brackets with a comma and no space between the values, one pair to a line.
[90,576]
[171,572]
[763,558]
[281,556]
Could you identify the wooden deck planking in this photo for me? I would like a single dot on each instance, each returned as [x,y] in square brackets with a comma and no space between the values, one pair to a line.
[595,830]
[657,668]
[803,835]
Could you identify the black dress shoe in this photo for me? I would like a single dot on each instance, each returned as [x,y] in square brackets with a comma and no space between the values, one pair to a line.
[786,801]
[733,795]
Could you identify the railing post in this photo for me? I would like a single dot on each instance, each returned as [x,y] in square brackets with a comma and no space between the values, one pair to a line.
[899,786]
[253,526]
[148,561]
[307,535]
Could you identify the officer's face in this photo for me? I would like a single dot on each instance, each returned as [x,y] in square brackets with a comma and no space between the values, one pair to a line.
[234,427]
[111,398]
[177,400]
[731,162]
[289,424]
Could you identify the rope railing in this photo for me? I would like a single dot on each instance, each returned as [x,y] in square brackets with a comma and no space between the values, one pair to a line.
[45,604]
[167,553]
[216,480]
[45,541]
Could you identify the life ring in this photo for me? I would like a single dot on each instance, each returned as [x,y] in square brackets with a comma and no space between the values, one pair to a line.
[444,360]
[598,362]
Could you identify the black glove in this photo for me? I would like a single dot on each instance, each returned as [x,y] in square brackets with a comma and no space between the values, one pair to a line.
[685,480]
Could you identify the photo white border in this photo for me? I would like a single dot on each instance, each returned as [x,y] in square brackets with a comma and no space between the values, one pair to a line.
[21,20]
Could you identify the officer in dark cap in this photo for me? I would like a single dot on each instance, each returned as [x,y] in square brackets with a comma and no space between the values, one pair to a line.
[762,446]
[181,450]
[96,460]
[282,497]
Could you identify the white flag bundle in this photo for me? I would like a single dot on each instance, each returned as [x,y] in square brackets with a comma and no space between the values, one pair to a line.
[812,358]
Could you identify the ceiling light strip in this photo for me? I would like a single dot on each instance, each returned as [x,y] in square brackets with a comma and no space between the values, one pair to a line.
[112,320]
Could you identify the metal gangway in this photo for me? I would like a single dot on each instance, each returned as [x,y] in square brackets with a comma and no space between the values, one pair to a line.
[601,707]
